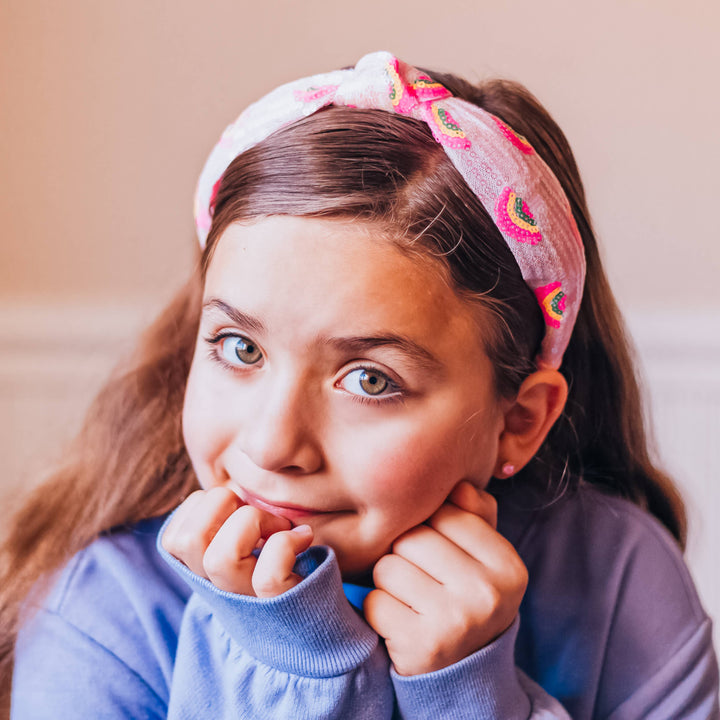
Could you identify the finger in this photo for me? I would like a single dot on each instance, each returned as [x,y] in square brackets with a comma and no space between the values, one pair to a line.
[405,581]
[479,502]
[476,537]
[228,561]
[196,522]
[387,616]
[436,555]
[185,510]
[273,572]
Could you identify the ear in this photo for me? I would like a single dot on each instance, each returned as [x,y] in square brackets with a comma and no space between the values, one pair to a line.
[528,420]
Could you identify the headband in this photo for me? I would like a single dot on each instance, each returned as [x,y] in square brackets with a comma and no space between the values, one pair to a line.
[513,183]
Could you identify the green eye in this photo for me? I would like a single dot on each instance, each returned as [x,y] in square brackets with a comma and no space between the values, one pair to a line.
[239,350]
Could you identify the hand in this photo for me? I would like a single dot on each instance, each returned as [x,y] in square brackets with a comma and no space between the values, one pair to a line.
[449,587]
[214,533]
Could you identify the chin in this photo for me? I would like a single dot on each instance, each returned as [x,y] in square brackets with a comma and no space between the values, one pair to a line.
[356,570]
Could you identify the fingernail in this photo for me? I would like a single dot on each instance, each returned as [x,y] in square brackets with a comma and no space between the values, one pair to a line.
[302,529]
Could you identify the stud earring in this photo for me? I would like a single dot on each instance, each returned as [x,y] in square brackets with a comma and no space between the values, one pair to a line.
[508,469]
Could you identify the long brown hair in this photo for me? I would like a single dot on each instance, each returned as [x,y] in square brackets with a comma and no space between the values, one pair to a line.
[129,461]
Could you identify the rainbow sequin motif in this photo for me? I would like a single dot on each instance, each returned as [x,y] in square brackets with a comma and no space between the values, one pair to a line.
[552,301]
[315,93]
[514,218]
[517,140]
[423,95]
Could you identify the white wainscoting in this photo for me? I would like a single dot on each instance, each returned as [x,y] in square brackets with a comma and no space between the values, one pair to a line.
[680,358]
[53,359]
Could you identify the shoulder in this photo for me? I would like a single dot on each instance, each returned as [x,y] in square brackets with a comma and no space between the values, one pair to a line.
[614,555]
[610,602]
[121,567]
[614,546]
[117,595]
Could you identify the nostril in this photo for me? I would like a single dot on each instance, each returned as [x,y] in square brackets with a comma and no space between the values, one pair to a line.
[293,469]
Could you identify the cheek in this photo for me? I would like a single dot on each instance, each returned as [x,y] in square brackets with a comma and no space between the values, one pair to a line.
[413,468]
[202,426]
[408,477]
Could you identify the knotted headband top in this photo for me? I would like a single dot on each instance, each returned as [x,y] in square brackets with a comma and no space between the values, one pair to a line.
[513,183]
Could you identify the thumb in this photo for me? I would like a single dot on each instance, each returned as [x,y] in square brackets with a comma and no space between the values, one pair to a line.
[478,502]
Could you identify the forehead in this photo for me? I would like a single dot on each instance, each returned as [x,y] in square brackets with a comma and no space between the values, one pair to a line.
[306,276]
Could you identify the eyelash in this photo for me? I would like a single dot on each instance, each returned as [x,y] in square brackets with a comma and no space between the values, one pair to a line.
[398,396]
[367,400]
[214,340]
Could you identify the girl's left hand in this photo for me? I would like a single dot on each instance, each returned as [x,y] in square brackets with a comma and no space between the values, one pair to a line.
[449,587]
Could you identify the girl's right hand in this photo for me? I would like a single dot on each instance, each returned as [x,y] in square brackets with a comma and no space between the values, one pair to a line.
[214,534]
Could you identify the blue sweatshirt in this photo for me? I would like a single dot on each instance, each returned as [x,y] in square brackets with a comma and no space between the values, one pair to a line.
[610,627]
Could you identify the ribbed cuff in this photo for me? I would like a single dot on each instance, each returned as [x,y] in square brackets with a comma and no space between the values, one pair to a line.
[482,685]
[309,630]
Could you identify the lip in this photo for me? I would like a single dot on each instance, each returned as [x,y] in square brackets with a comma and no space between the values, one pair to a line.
[289,512]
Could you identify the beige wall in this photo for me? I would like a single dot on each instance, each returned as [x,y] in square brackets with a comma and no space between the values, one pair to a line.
[108,109]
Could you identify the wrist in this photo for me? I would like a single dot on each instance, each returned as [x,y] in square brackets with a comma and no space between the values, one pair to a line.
[487,680]
[309,630]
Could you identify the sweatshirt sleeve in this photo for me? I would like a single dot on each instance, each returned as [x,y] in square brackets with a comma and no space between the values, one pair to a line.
[484,685]
[303,654]
[121,636]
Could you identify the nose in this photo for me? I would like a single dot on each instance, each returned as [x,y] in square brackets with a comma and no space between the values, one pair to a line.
[280,431]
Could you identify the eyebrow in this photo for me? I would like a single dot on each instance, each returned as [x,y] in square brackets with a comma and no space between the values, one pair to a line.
[361,344]
[353,344]
[237,316]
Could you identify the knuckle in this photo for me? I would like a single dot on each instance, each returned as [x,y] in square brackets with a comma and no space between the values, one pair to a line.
[493,598]
[409,537]
[250,516]
[370,607]
[522,577]
[516,574]
[370,603]
[491,506]
[191,500]
[382,568]
[220,500]
[213,498]
[215,562]
[182,545]
[266,584]
[279,542]
[489,598]
[219,493]
[168,539]
[443,514]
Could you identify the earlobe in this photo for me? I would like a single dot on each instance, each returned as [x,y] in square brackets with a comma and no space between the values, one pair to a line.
[539,402]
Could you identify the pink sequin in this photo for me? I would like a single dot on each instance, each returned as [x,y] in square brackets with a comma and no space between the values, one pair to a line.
[517,140]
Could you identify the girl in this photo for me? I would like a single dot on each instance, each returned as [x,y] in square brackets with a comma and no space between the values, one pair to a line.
[399,366]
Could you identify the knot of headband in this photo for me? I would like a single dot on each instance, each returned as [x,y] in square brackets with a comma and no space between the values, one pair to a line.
[513,183]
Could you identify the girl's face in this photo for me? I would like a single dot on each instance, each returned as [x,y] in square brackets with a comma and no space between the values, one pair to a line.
[337,382]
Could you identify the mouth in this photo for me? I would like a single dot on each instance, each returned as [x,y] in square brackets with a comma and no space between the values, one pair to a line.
[293,513]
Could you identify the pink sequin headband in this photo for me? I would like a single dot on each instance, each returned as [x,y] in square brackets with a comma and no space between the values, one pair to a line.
[513,183]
